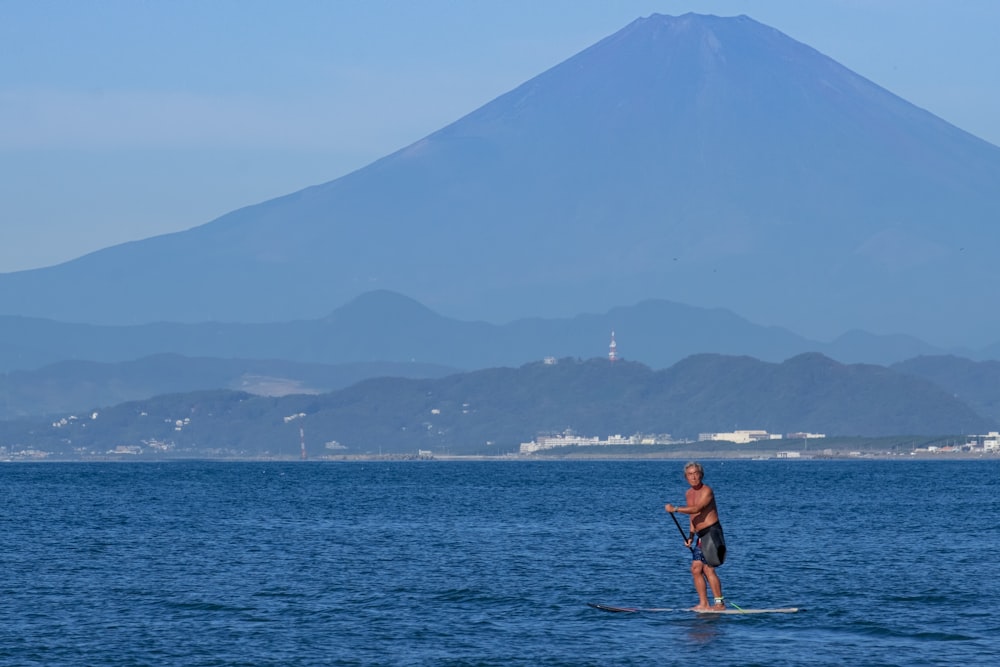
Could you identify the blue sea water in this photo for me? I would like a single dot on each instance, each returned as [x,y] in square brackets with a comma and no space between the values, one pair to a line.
[493,562]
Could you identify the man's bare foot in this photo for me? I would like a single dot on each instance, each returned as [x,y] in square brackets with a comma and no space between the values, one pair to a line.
[701,607]
[719,606]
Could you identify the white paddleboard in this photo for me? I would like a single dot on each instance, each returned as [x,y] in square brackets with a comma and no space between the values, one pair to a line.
[637,610]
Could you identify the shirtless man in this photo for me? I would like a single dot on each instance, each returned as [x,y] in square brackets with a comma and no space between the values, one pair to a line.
[709,551]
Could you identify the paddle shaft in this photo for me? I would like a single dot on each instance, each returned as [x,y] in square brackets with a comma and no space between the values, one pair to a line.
[681,530]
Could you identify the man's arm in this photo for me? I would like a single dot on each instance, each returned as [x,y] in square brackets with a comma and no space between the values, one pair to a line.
[702,501]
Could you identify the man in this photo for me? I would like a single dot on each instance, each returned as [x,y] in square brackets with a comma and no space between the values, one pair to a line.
[709,551]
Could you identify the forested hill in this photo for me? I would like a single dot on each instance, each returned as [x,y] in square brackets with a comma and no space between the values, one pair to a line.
[492,411]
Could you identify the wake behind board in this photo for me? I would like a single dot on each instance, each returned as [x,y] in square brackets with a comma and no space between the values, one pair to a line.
[645,610]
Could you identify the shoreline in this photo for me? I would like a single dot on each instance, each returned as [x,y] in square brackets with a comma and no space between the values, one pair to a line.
[518,458]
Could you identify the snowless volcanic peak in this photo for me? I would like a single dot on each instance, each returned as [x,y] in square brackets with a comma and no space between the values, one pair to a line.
[706,160]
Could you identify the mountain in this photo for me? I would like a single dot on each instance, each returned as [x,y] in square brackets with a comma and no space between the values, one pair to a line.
[384,326]
[703,160]
[493,410]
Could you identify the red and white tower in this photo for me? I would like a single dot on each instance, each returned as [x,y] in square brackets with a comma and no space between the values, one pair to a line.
[613,349]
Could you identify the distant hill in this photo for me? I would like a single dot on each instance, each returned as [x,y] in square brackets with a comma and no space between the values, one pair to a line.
[491,411]
[975,383]
[71,386]
[355,343]
[702,160]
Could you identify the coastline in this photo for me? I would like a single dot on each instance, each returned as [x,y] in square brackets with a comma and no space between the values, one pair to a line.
[680,455]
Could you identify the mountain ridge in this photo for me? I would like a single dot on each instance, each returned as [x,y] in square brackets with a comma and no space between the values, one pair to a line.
[384,326]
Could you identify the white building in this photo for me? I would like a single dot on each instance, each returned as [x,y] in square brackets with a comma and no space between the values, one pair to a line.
[739,437]
[989,442]
[560,440]
[567,439]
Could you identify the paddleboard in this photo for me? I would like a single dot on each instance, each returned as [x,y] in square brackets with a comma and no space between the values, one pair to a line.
[638,610]
[627,610]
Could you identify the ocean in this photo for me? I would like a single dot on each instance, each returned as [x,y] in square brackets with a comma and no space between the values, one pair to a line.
[895,562]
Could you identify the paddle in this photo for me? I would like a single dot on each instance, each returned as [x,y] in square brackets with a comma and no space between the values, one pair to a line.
[681,530]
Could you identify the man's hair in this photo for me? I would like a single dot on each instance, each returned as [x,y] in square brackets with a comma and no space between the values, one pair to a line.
[696,466]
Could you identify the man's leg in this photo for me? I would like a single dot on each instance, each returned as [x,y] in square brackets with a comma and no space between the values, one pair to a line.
[698,574]
[715,584]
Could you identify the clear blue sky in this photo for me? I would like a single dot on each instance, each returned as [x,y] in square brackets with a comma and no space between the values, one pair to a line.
[124,119]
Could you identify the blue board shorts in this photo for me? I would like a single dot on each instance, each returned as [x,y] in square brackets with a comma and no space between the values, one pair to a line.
[710,548]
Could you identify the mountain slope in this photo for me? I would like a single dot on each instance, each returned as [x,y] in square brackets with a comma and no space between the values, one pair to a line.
[705,160]
[975,383]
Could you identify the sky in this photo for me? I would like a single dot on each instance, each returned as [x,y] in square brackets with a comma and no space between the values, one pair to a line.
[126,119]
